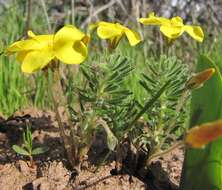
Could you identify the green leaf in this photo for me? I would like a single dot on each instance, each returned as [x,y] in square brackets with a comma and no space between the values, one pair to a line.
[148,78]
[40,150]
[24,138]
[149,103]
[29,137]
[145,86]
[20,150]
[111,87]
[122,63]
[84,72]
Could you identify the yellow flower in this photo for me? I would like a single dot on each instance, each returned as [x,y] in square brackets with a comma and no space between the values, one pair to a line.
[200,78]
[114,32]
[67,45]
[199,136]
[174,27]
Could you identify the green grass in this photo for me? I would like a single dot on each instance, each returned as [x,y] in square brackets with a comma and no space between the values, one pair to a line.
[18,90]
[13,83]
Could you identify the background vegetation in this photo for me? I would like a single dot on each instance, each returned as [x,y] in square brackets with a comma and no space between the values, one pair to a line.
[19,90]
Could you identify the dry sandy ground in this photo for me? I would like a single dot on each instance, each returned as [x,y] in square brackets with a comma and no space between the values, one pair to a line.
[51,173]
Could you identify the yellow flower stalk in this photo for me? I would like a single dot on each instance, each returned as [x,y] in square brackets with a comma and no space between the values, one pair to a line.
[174,27]
[67,45]
[114,32]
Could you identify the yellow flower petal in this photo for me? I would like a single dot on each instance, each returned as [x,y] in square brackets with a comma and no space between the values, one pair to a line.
[109,31]
[23,45]
[108,24]
[71,52]
[21,55]
[153,20]
[36,43]
[86,39]
[69,32]
[45,41]
[176,21]
[199,136]
[195,32]
[31,34]
[133,37]
[81,49]
[152,14]
[114,41]
[68,46]
[171,32]
[93,26]
[36,60]
[150,21]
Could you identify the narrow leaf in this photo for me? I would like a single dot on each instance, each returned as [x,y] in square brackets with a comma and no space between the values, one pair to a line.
[40,150]
[20,150]
[149,103]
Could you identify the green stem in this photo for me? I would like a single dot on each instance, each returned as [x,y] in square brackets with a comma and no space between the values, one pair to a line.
[28,17]
[172,122]
[73,12]
[149,104]
[46,15]
[159,126]
[156,155]
[67,143]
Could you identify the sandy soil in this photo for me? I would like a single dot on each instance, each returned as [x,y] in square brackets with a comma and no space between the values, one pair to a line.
[50,171]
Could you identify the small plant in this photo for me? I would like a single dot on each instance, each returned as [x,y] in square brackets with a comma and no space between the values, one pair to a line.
[106,102]
[44,52]
[27,147]
[101,102]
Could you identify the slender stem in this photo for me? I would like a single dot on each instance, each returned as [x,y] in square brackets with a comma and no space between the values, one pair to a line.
[67,144]
[73,12]
[149,104]
[159,125]
[46,15]
[28,16]
[31,161]
[172,122]
[156,155]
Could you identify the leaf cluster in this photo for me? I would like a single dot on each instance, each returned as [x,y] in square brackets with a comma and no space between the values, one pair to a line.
[105,96]
[164,112]
[27,147]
